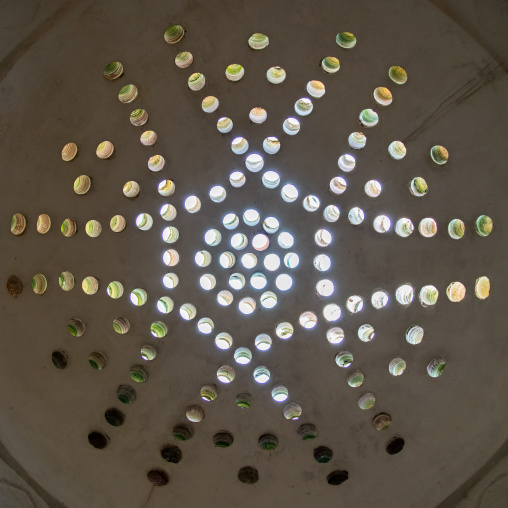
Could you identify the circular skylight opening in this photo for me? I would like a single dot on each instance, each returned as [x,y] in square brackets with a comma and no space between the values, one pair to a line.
[311,203]
[166,188]
[414,334]
[418,187]
[308,320]
[331,213]
[315,89]
[217,194]
[230,221]
[260,242]
[303,106]
[331,312]
[165,304]
[212,237]
[382,96]
[237,179]
[170,280]
[280,393]
[323,237]
[291,126]
[138,297]
[261,375]
[286,240]
[289,193]
[271,225]
[335,335]
[325,287]
[249,260]
[203,258]
[456,292]
[263,342]
[237,281]
[224,125]
[144,221]
[223,341]
[268,300]
[156,163]
[272,262]
[427,227]
[205,325]
[404,227]
[354,304]
[171,257]
[428,295]
[276,75]
[369,118]
[291,260]
[397,150]
[397,366]
[284,282]
[373,188]
[456,229]
[247,305]
[379,299]
[338,185]
[366,333]
[243,355]
[356,216]
[347,162]
[239,145]
[224,298]
[271,145]
[357,140]
[188,311]
[254,162]
[322,262]
[168,212]
[344,359]
[192,204]
[227,259]
[258,115]
[239,241]
[207,281]
[271,179]
[405,294]
[258,280]
[226,374]
[284,330]
[382,224]
[251,217]
[170,234]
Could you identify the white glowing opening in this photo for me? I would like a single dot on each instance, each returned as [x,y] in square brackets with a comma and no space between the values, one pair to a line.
[325,287]
[272,262]
[249,260]
[258,280]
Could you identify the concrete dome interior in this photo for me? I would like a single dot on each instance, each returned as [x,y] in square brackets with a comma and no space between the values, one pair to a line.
[61,447]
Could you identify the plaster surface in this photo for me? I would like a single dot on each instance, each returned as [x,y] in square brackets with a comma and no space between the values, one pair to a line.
[53,92]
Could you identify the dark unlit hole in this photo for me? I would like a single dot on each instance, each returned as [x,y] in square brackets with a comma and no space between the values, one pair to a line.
[172,454]
[395,445]
[14,286]
[126,394]
[223,439]
[114,417]
[182,432]
[98,440]
[59,359]
[337,477]
[323,454]
[158,477]
[248,475]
